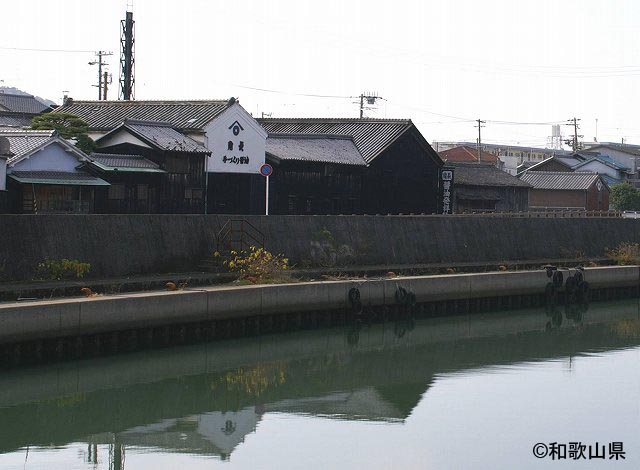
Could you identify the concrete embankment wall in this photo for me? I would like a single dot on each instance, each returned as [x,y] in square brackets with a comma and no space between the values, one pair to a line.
[121,245]
[30,321]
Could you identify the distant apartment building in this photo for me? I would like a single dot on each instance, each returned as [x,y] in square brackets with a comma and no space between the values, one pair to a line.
[510,155]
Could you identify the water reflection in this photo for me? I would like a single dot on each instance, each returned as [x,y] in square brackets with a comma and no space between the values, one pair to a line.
[205,400]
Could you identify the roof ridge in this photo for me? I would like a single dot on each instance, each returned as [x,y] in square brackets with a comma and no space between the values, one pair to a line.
[151,102]
[116,155]
[300,135]
[142,122]
[334,119]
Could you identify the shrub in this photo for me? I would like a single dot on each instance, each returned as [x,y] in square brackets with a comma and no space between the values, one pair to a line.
[258,265]
[625,254]
[53,269]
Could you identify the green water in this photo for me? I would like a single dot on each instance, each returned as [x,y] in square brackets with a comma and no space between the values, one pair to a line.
[476,391]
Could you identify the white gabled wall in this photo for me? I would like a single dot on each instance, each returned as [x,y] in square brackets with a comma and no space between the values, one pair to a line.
[237,142]
[53,157]
[121,136]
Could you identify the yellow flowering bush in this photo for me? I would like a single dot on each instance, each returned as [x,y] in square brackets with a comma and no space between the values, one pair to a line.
[258,265]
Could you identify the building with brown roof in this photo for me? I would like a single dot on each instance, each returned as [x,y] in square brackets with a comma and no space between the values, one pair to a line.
[481,187]
[567,190]
[464,153]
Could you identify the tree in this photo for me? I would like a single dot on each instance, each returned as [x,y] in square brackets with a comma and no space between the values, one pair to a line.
[625,197]
[69,126]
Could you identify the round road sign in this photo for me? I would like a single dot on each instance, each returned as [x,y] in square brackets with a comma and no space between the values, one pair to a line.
[266,170]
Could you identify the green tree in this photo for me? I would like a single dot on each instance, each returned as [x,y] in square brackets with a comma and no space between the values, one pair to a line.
[69,126]
[625,197]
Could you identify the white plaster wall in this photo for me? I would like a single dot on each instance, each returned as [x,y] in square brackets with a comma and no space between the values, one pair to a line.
[220,131]
[122,137]
[600,168]
[53,157]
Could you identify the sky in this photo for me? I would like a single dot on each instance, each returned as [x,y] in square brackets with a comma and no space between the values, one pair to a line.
[521,66]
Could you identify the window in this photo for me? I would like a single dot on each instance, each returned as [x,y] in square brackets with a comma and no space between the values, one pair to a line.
[308,205]
[116,191]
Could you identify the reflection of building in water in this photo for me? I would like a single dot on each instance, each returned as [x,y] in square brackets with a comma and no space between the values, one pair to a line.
[206,399]
[214,433]
[364,404]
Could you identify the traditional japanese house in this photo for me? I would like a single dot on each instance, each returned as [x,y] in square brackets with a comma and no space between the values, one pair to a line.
[315,174]
[567,190]
[179,160]
[17,108]
[233,180]
[43,174]
[481,187]
[135,183]
[402,168]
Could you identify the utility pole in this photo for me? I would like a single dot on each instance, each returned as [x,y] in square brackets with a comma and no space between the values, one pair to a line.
[574,142]
[105,85]
[100,63]
[371,99]
[480,126]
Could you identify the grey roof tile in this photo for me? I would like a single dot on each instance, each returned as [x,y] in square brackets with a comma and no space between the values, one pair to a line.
[315,148]
[483,174]
[112,162]
[165,137]
[183,115]
[14,120]
[371,136]
[574,181]
[21,142]
[57,177]
[23,104]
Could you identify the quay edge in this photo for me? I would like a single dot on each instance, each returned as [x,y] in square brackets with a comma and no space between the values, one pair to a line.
[79,317]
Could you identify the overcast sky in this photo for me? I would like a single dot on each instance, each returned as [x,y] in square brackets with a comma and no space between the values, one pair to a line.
[442,64]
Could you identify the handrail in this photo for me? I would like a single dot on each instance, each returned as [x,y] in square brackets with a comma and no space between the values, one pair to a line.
[249,235]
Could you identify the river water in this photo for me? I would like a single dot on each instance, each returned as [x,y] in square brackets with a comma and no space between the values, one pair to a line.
[466,392]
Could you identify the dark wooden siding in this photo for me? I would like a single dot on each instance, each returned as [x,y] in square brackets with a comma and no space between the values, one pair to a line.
[182,189]
[403,179]
[316,188]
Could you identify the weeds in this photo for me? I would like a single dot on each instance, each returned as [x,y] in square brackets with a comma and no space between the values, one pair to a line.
[56,270]
[625,254]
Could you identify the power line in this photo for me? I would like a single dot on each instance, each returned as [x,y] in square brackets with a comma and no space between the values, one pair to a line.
[312,95]
[33,49]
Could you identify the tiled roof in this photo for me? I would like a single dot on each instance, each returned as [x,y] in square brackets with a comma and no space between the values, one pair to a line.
[606,160]
[23,104]
[610,180]
[464,153]
[21,142]
[14,120]
[57,177]
[116,162]
[569,162]
[371,136]
[627,148]
[182,115]
[165,137]
[315,148]
[573,181]
[483,174]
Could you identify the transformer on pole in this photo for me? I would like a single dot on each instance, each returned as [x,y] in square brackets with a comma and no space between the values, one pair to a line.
[127,61]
